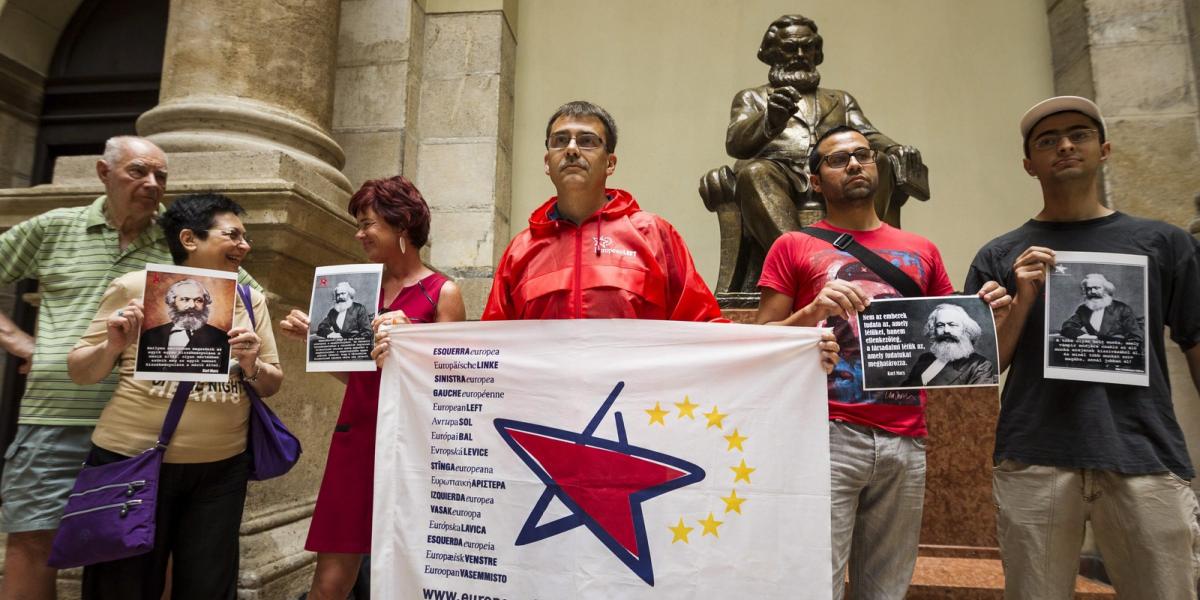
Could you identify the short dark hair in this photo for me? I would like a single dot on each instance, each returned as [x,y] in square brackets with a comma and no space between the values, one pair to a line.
[815,157]
[195,212]
[770,41]
[398,202]
[582,108]
[1098,124]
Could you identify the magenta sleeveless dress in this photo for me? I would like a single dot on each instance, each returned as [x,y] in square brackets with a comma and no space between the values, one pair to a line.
[342,519]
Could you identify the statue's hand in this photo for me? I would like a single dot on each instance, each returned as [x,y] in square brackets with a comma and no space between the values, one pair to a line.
[782,103]
[908,161]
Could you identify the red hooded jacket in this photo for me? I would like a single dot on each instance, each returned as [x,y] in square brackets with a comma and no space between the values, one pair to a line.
[621,263]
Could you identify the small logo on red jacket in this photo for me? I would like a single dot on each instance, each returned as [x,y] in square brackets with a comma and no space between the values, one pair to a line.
[604,245]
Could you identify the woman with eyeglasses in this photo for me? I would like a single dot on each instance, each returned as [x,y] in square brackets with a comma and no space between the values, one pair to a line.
[202,484]
[393,225]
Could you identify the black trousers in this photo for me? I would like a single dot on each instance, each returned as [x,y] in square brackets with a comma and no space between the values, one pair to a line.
[198,514]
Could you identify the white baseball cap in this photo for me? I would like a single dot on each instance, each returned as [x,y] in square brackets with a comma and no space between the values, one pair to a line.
[1058,104]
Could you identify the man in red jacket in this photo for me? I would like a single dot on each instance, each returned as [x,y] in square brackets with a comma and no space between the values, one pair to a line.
[590,251]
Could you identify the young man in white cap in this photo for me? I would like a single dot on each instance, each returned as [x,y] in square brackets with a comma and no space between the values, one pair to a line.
[1068,452]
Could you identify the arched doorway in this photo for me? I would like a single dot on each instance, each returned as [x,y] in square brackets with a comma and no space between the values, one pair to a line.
[104,74]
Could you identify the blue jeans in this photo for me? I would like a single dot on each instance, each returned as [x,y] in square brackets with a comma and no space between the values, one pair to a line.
[876,496]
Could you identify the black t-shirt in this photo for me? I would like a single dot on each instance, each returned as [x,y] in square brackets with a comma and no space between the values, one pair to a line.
[1122,428]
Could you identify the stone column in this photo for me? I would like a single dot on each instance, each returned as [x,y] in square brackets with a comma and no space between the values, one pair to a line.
[464,149]
[250,75]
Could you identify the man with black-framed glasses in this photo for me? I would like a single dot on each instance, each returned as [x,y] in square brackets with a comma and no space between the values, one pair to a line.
[1068,452]
[591,252]
[876,439]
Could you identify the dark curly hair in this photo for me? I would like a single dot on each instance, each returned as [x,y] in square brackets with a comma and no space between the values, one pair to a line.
[397,201]
[195,212]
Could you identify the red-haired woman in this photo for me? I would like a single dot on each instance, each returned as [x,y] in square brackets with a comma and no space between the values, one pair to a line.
[393,225]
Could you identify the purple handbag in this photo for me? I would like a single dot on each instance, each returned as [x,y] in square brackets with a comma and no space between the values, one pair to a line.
[110,512]
[273,448]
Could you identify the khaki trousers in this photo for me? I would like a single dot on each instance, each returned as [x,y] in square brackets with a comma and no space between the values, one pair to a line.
[1145,525]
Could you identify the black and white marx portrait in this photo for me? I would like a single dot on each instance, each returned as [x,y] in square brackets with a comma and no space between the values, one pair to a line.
[344,302]
[910,343]
[1096,318]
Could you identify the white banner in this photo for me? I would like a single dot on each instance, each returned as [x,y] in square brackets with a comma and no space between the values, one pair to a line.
[601,459]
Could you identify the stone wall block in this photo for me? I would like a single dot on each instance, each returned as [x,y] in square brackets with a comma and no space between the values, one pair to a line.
[16,156]
[462,238]
[1068,28]
[1076,80]
[460,107]
[374,31]
[508,78]
[1154,79]
[25,38]
[416,76]
[474,292]
[503,187]
[1135,21]
[459,44]
[458,177]
[1151,172]
[371,96]
[1192,15]
[26,140]
[372,154]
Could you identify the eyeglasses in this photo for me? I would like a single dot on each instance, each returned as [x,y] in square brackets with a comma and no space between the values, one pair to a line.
[584,141]
[839,160]
[1050,141]
[236,236]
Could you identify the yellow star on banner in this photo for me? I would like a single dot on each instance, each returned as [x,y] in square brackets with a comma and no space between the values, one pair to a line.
[710,525]
[735,440]
[714,418]
[733,503]
[686,408]
[742,472]
[679,533]
[657,414]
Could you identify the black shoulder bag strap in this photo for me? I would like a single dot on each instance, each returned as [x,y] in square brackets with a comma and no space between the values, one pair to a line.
[881,266]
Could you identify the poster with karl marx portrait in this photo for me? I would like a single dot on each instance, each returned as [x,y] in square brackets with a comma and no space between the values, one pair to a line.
[344,301]
[915,343]
[185,332]
[1096,318]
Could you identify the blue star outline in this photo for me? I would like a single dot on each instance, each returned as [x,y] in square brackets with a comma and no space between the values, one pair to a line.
[640,562]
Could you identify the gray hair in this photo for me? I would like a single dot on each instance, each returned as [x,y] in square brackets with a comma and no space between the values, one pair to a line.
[170,298]
[1104,282]
[969,325]
[345,284]
[117,146]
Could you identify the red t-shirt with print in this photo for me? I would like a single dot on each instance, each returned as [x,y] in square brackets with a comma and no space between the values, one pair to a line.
[798,265]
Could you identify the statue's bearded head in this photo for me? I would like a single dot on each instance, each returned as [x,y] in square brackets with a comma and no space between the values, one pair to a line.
[793,49]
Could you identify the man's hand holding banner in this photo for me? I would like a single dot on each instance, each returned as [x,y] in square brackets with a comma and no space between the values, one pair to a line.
[602,459]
